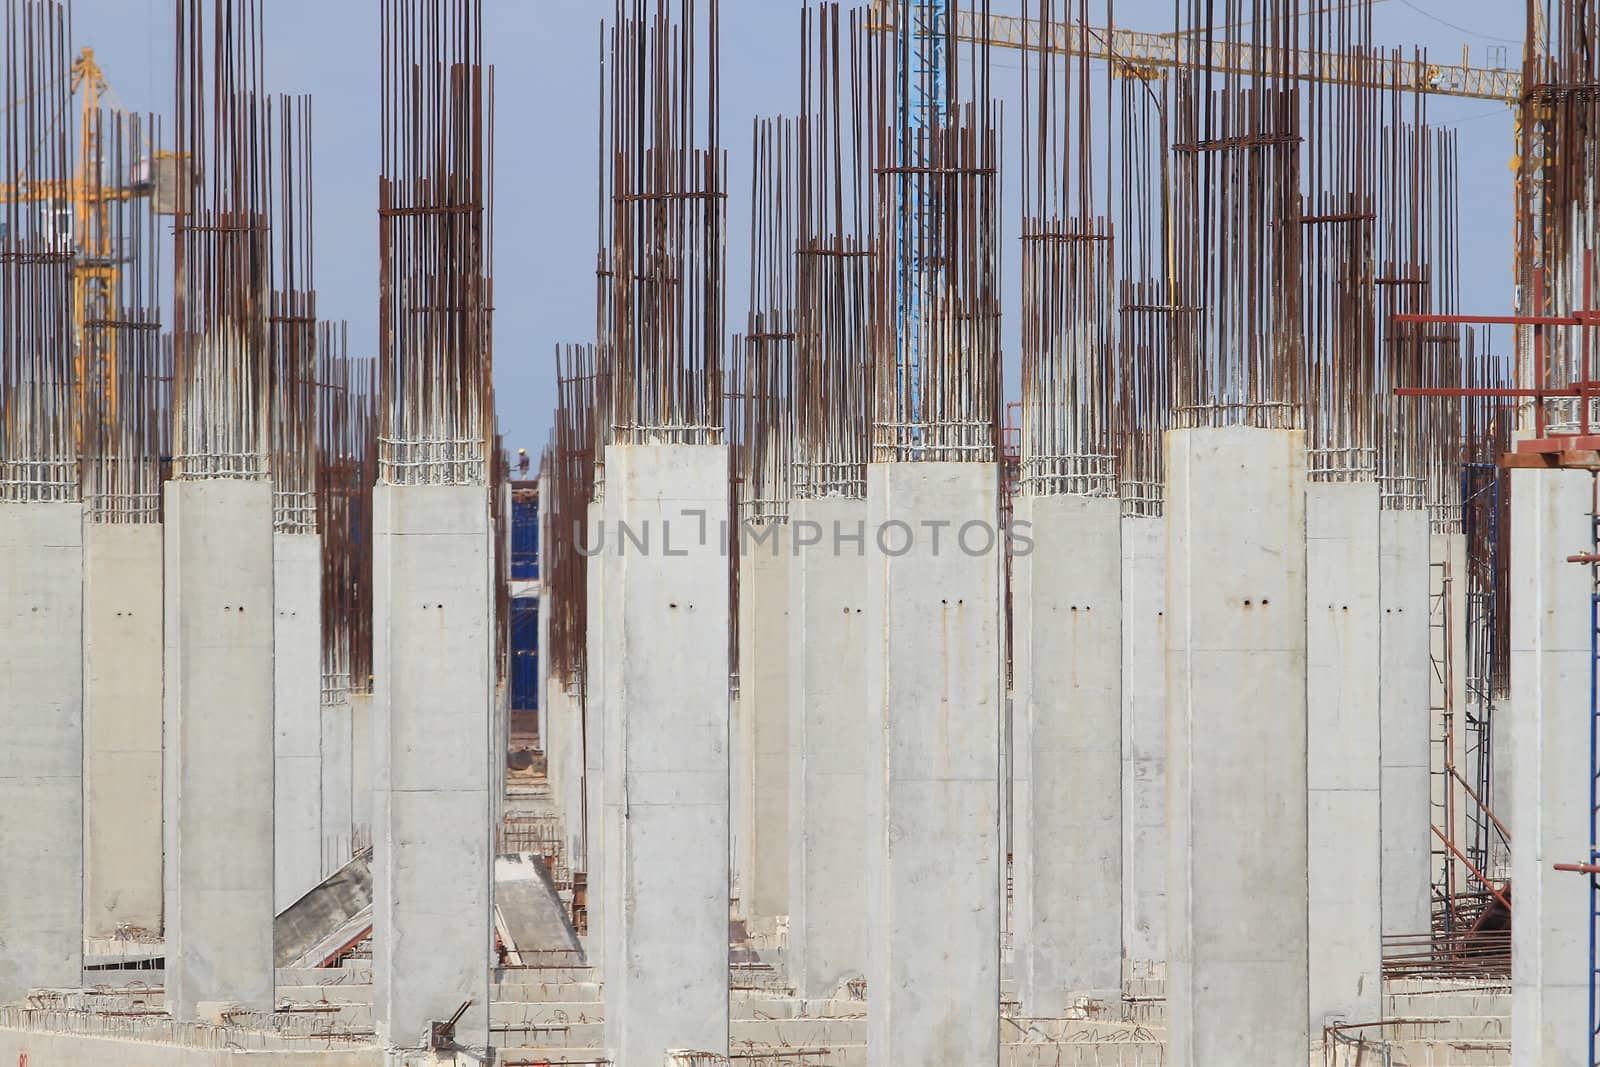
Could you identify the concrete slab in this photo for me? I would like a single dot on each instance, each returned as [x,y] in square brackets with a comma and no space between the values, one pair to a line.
[338,767]
[1404,675]
[297,715]
[828,771]
[666,677]
[122,727]
[437,751]
[1236,683]
[935,696]
[594,741]
[1067,689]
[1551,623]
[219,742]
[764,704]
[1144,744]
[1343,624]
[41,762]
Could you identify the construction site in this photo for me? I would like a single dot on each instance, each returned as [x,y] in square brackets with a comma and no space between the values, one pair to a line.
[1210,681]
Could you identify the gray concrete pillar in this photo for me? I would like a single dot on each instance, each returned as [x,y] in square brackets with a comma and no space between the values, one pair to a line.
[1236,684]
[218,705]
[437,752]
[666,671]
[122,726]
[1551,622]
[297,715]
[828,750]
[594,737]
[1343,620]
[337,767]
[1144,745]
[41,761]
[1067,693]
[935,704]
[1404,674]
[363,777]
[764,710]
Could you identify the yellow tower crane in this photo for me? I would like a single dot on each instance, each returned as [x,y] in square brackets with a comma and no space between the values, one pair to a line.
[82,205]
[1139,54]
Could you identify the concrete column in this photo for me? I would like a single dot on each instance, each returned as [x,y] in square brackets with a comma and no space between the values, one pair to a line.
[828,751]
[337,766]
[666,669]
[218,702]
[433,850]
[742,743]
[122,726]
[1236,684]
[935,702]
[1550,666]
[1067,693]
[363,757]
[297,715]
[594,736]
[1456,547]
[1343,619]
[764,703]
[41,760]
[1404,674]
[1144,745]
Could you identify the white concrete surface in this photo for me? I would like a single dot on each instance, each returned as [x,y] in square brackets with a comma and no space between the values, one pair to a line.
[122,727]
[1447,605]
[935,702]
[41,1049]
[666,676]
[764,702]
[1236,683]
[297,715]
[337,817]
[41,761]
[437,751]
[594,731]
[1343,619]
[1144,744]
[363,757]
[1550,669]
[1067,690]
[1403,721]
[218,706]
[828,749]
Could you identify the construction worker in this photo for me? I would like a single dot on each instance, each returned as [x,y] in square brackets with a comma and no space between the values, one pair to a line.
[522,461]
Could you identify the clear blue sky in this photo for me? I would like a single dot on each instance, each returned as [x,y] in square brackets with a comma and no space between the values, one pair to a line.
[546,52]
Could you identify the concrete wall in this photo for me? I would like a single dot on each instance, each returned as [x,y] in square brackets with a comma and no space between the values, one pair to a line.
[1144,744]
[122,727]
[1067,692]
[666,676]
[934,674]
[219,691]
[41,761]
[1550,668]
[764,703]
[1343,619]
[1404,674]
[297,715]
[828,750]
[433,639]
[1236,682]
